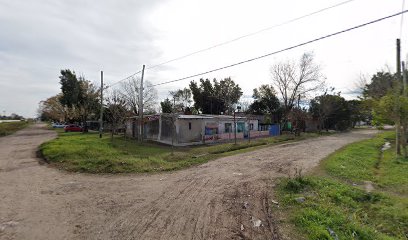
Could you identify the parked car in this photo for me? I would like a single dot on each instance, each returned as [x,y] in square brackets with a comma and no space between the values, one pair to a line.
[72,128]
[58,125]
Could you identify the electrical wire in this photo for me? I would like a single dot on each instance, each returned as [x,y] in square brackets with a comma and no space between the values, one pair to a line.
[251,34]
[237,38]
[126,78]
[285,49]
[402,18]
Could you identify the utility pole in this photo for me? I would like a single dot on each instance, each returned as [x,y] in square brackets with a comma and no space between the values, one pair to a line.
[141,106]
[101,112]
[398,92]
[404,78]
[235,129]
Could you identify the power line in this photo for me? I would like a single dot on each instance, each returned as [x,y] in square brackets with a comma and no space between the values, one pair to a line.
[126,78]
[237,38]
[402,18]
[285,49]
[251,34]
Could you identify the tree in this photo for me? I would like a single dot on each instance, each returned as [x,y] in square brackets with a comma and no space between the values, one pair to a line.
[116,111]
[88,101]
[78,94]
[358,112]
[295,81]
[131,93]
[182,99]
[331,110]
[265,101]
[52,109]
[381,84]
[216,97]
[70,88]
[166,106]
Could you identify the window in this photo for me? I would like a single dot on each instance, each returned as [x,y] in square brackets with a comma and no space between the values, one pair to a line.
[251,126]
[189,126]
[228,127]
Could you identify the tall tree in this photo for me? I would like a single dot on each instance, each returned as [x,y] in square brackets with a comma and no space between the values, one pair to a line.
[70,88]
[52,109]
[381,83]
[131,93]
[216,97]
[78,94]
[294,81]
[265,100]
[116,112]
[331,110]
[182,99]
[89,101]
[166,106]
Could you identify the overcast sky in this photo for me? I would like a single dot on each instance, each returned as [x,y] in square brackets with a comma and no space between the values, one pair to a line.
[39,38]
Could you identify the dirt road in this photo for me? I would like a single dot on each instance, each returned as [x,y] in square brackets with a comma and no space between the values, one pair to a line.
[222,199]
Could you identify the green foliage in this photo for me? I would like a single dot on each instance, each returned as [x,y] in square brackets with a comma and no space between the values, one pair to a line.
[265,100]
[7,128]
[78,95]
[333,203]
[332,110]
[70,88]
[381,84]
[182,99]
[215,97]
[166,106]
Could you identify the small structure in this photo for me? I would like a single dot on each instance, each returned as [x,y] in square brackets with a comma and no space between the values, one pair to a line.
[181,129]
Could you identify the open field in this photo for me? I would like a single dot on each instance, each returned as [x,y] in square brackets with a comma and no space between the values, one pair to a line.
[88,153]
[7,128]
[358,193]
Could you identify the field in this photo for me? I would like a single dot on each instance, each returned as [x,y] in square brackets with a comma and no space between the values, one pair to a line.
[358,193]
[7,128]
[87,153]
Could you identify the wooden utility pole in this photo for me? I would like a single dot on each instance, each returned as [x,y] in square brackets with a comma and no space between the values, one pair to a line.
[101,112]
[141,125]
[404,78]
[398,92]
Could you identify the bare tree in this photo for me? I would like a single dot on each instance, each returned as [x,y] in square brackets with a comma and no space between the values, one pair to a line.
[116,111]
[131,91]
[182,99]
[296,81]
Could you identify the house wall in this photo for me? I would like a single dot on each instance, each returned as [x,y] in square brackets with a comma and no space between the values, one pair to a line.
[184,134]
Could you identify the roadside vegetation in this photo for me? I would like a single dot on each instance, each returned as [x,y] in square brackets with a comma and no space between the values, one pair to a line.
[87,153]
[7,128]
[360,192]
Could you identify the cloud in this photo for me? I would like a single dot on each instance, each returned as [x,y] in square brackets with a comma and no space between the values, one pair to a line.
[39,38]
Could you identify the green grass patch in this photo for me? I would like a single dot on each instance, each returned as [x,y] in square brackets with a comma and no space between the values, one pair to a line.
[87,153]
[7,128]
[331,204]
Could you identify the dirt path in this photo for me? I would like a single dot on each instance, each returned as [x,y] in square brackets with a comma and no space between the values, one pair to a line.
[216,200]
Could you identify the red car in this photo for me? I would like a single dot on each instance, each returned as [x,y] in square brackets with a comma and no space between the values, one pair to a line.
[72,128]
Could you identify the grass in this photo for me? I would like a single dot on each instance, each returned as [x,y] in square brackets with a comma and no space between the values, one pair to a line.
[7,128]
[87,153]
[336,203]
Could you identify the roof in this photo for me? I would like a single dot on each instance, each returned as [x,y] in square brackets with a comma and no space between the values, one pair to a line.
[183,116]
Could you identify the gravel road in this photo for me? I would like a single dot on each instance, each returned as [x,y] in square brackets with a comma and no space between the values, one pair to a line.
[222,199]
